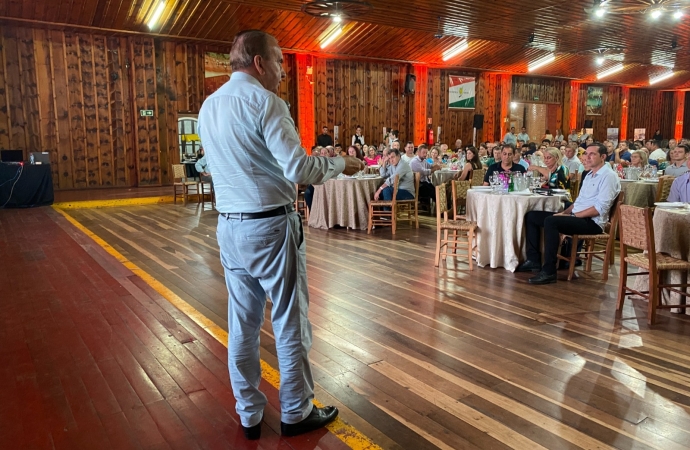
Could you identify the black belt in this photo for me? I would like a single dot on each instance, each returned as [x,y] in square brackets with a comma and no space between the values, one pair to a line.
[279,211]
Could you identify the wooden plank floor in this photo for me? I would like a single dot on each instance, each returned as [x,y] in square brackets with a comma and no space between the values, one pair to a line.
[92,358]
[418,357]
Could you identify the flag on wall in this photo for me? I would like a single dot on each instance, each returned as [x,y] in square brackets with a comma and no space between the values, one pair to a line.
[461,92]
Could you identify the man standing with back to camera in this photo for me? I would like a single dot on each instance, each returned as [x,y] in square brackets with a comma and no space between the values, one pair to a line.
[256,158]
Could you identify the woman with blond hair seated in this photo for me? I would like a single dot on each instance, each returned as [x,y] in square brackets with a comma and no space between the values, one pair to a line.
[638,159]
[554,172]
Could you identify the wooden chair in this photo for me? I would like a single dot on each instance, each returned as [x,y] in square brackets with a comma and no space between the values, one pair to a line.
[459,195]
[478,177]
[463,232]
[607,238]
[181,185]
[664,188]
[203,185]
[301,204]
[636,231]
[384,210]
[411,206]
[574,188]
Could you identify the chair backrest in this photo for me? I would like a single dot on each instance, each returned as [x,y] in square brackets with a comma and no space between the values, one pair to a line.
[664,188]
[478,177]
[179,172]
[396,183]
[459,192]
[417,177]
[636,228]
[441,202]
[575,188]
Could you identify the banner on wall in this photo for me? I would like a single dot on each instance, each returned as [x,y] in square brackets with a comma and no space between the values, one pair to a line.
[216,71]
[612,136]
[595,100]
[640,134]
[461,92]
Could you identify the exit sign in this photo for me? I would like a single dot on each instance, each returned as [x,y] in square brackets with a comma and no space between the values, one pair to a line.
[146,112]
[536,99]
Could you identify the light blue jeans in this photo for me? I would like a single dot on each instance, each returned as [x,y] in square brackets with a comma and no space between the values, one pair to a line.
[267,257]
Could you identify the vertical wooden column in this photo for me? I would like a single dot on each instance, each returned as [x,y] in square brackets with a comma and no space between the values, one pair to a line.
[570,102]
[305,99]
[625,100]
[420,103]
[679,107]
[505,88]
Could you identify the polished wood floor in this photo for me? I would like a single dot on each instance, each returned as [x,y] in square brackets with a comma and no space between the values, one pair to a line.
[418,357]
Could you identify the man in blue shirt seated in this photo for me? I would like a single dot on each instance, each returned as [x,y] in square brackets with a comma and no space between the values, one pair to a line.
[622,153]
[680,189]
[391,167]
[588,215]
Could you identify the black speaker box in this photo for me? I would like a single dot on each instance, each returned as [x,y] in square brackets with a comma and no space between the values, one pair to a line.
[478,121]
[410,81]
[589,123]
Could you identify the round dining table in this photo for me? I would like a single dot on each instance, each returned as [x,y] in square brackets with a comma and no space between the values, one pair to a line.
[639,193]
[343,201]
[443,176]
[500,224]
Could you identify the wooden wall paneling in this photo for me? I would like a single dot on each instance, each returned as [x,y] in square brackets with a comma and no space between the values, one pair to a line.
[667,122]
[371,105]
[405,102]
[305,94]
[679,112]
[393,98]
[176,100]
[194,93]
[120,112]
[489,107]
[149,55]
[343,68]
[76,110]
[611,110]
[420,104]
[644,111]
[537,90]
[29,89]
[625,109]
[5,124]
[166,100]
[321,96]
[18,133]
[105,132]
[138,86]
[93,163]
[362,99]
[505,88]
[46,98]
[334,100]
[352,98]
[59,78]
[330,95]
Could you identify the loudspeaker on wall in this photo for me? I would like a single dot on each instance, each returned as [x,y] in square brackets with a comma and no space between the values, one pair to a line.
[589,123]
[410,81]
[478,121]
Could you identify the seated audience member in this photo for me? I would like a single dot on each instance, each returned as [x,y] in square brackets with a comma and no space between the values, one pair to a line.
[679,158]
[391,167]
[337,149]
[518,159]
[327,151]
[638,159]
[458,145]
[420,165]
[559,136]
[622,153]
[505,164]
[546,143]
[588,215]
[473,163]
[656,152]
[680,189]
[396,145]
[554,172]
[532,149]
[572,162]
[201,166]
[483,150]
[316,151]
[371,159]
[650,162]
[353,150]
[435,156]
[409,152]
[496,156]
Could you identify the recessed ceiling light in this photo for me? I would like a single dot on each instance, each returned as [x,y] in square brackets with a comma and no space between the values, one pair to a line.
[678,15]
[656,13]
[661,77]
[541,62]
[600,60]
[600,11]
[337,18]
[156,15]
[611,71]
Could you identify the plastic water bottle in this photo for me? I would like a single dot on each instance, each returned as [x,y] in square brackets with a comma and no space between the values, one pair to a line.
[32,160]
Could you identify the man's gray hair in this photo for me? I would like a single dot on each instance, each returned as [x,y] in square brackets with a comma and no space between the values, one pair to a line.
[246,45]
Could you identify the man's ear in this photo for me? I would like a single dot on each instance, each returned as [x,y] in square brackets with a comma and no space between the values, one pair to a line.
[258,64]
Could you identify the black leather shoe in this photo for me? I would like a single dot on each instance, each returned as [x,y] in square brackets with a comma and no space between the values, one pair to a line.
[252,433]
[543,278]
[528,266]
[318,418]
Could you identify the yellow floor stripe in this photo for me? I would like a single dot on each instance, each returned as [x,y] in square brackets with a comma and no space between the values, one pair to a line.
[114,202]
[346,433]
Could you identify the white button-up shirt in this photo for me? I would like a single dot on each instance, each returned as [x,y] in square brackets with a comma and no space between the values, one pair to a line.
[599,190]
[253,149]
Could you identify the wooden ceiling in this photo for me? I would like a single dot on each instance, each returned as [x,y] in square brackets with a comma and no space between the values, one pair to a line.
[403,30]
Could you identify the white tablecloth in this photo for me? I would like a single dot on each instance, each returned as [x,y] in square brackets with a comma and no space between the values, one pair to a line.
[442,176]
[343,202]
[500,219]
[671,237]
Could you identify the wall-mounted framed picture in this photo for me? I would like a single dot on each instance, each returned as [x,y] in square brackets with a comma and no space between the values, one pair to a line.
[461,92]
[595,100]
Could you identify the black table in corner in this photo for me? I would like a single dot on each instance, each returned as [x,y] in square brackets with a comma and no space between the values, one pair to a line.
[29,185]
